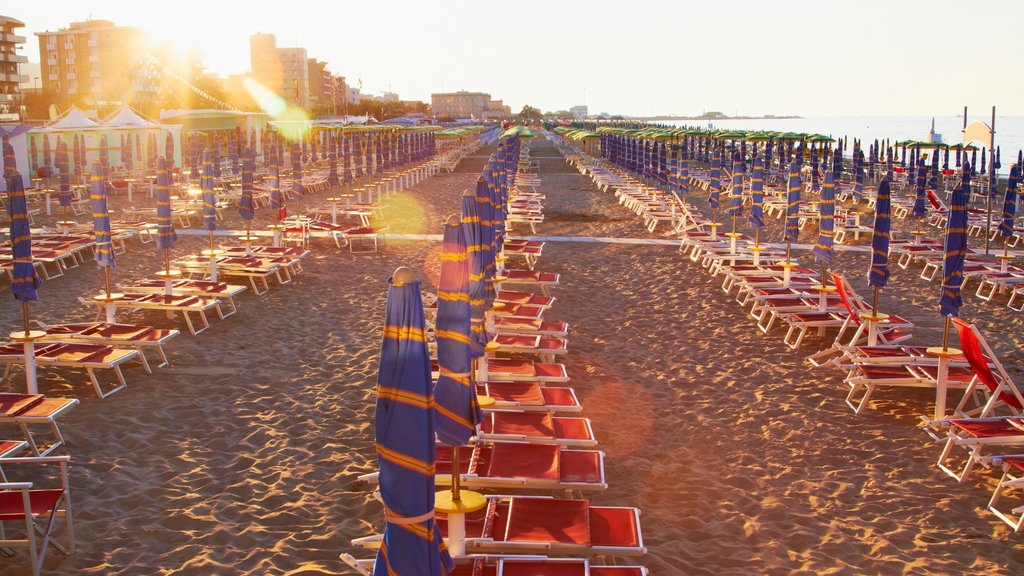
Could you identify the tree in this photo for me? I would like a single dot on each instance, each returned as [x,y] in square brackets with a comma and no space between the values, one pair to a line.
[530,113]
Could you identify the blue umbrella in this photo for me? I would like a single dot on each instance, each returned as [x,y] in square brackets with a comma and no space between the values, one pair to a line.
[274,184]
[245,204]
[919,191]
[104,249]
[332,157]
[716,179]
[815,183]
[756,218]
[878,273]
[487,217]
[64,167]
[297,188]
[793,186]
[455,407]
[823,249]
[956,248]
[104,156]
[165,234]
[404,436]
[684,173]
[24,280]
[10,161]
[209,199]
[858,176]
[471,223]
[736,197]
[169,151]
[1010,202]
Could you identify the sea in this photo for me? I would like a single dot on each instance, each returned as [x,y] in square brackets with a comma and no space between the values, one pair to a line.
[1009,133]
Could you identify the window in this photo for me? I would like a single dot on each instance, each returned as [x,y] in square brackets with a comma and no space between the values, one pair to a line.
[51,43]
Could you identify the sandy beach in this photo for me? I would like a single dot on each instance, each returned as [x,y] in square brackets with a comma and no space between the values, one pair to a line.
[242,457]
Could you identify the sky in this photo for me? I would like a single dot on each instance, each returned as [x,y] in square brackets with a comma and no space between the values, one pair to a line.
[749,57]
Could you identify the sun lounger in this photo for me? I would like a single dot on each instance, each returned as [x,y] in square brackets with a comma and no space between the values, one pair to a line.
[545,348]
[249,268]
[117,335]
[89,357]
[219,290]
[513,325]
[183,304]
[530,396]
[531,278]
[1012,479]
[29,411]
[525,298]
[537,428]
[514,370]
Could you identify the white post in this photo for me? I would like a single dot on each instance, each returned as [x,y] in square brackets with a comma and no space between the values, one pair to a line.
[110,312]
[457,534]
[31,383]
[277,238]
[941,382]
[213,267]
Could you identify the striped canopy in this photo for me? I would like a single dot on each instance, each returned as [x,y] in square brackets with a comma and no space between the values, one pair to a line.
[24,280]
[104,248]
[878,273]
[823,248]
[919,193]
[474,234]
[756,218]
[404,435]
[209,198]
[716,178]
[165,233]
[297,188]
[956,247]
[245,205]
[64,167]
[274,183]
[455,406]
[1010,202]
[736,197]
[793,186]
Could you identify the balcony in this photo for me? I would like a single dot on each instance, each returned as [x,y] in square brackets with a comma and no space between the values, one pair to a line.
[12,57]
[13,38]
[17,78]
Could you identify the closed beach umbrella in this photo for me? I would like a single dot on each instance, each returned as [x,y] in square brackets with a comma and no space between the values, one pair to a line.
[455,404]
[128,160]
[823,249]
[1010,203]
[64,184]
[736,196]
[487,254]
[716,179]
[878,273]
[332,161]
[10,160]
[169,151]
[919,192]
[815,181]
[104,249]
[933,173]
[474,234]
[138,148]
[274,186]
[245,204]
[404,437]
[24,280]
[684,173]
[793,186]
[955,248]
[104,156]
[33,154]
[47,153]
[858,175]
[165,233]
[756,218]
[209,200]
[297,189]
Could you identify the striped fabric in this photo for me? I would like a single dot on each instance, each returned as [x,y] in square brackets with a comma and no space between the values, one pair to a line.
[33,154]
[332,162]
[245,205]
[716,178]
[64,168]
[169,151]
[878,273]
[165,234]
[296,154]
[736,196]
[404,437]
[793,186]
[815,182]
[104,249]
[474,234]
[1010,202]
[684,173]
[274,183]
[128,159]
[104,157]
[756,218]
[24,280]
[47,153]
[956,247]
[485,209]
[858,175]
[455,408]
[919,193]
[209,198]
[10,161]
[823,248]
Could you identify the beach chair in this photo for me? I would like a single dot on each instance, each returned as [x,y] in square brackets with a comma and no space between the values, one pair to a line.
[89,357]
[544,280]
[525,298]
[537,428]
[36,509]
[517,370]
[117,335]
[513,325]
[28,411]
[520,566]
[543,347]
[183,304]
[1012,479]
[1012,304]
[530,396]
[206,288]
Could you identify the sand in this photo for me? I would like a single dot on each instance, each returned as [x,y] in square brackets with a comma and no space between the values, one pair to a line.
[242,456]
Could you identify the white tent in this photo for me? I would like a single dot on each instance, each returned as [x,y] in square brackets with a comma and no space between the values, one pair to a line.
[73,119]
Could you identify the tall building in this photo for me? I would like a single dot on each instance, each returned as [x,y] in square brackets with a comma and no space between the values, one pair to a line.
[578,112]
[460,104]
[321,87]
[10,74]
[95,64]
[282,70]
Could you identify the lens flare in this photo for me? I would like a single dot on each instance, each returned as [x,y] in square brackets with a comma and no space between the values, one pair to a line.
[292,121]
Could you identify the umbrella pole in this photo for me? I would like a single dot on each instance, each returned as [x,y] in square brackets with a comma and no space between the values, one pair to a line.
[874,302]
[24,316]
[456,474]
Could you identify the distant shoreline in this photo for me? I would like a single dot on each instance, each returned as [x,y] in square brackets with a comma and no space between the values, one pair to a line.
[706,117]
